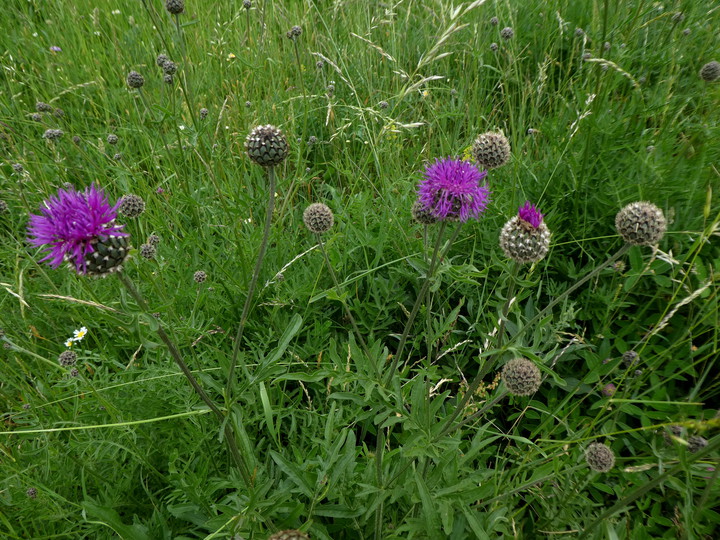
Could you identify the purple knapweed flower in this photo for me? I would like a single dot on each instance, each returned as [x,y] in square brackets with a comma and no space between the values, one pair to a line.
[451,190]
[71,223]
[55,48]
[530,214]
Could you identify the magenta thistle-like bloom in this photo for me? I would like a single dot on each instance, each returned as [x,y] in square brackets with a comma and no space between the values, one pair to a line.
[451,190]
[71,223]
[530,214]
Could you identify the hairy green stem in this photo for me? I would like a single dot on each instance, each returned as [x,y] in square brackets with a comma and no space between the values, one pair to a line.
[177,357]
[253,283]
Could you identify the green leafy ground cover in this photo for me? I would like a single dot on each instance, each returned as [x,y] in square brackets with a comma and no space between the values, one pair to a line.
[335,440]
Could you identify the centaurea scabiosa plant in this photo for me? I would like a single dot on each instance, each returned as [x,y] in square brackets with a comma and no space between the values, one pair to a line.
[79,228]
[451,190]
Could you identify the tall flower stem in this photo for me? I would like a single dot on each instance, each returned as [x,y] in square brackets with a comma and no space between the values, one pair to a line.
[253,284]
[421,295]
[177,357]
[348,313]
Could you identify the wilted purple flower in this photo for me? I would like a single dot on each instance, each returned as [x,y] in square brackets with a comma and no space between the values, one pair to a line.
[71,223]
[608,390]
[451,190]
[55,48]
[530,214]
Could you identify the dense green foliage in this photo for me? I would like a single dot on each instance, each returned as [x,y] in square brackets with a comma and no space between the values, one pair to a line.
[336,442]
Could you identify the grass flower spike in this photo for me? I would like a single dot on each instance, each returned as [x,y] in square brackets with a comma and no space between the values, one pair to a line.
[451,190]
[79,228]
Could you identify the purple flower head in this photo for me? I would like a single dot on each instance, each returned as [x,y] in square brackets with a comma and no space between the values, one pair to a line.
[451,190]
[70,223]
[55,48]
[530,214]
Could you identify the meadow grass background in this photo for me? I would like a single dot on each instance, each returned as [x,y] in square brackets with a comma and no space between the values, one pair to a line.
[331,449]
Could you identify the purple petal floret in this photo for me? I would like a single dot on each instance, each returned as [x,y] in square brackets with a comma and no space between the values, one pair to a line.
[451,190]
[68,224]
[530,214]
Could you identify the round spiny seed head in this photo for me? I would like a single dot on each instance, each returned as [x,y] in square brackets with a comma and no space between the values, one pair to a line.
[175,7]
[58,113]
[641,224]
[67,358]
[521,376]
[108,256]
[493,46]
[153,240]
[247,4]
[36,117]
[31,492]
[266,146]
[599,457]
[494,21]
[135,80]
[147,251]
[579,32]
[290,534]
[43,107]
[318,218]
[74,372]
[525,238]
[199,276]
[112,139]
[167,78]
[17,167]
[118,156]
[629,358]
[507,33]
[76,139]
[710,72]
[3,206]
[204,113]
[696,443]
[53,134]
[491,150]
[422,215]
[169,67]
[161,59]
[296,31]
[131,205]
[383,105]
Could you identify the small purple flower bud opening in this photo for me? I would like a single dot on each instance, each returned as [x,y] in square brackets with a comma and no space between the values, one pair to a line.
[530,214]
[55,48]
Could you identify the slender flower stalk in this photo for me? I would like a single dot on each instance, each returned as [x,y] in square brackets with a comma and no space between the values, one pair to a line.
[267,147]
